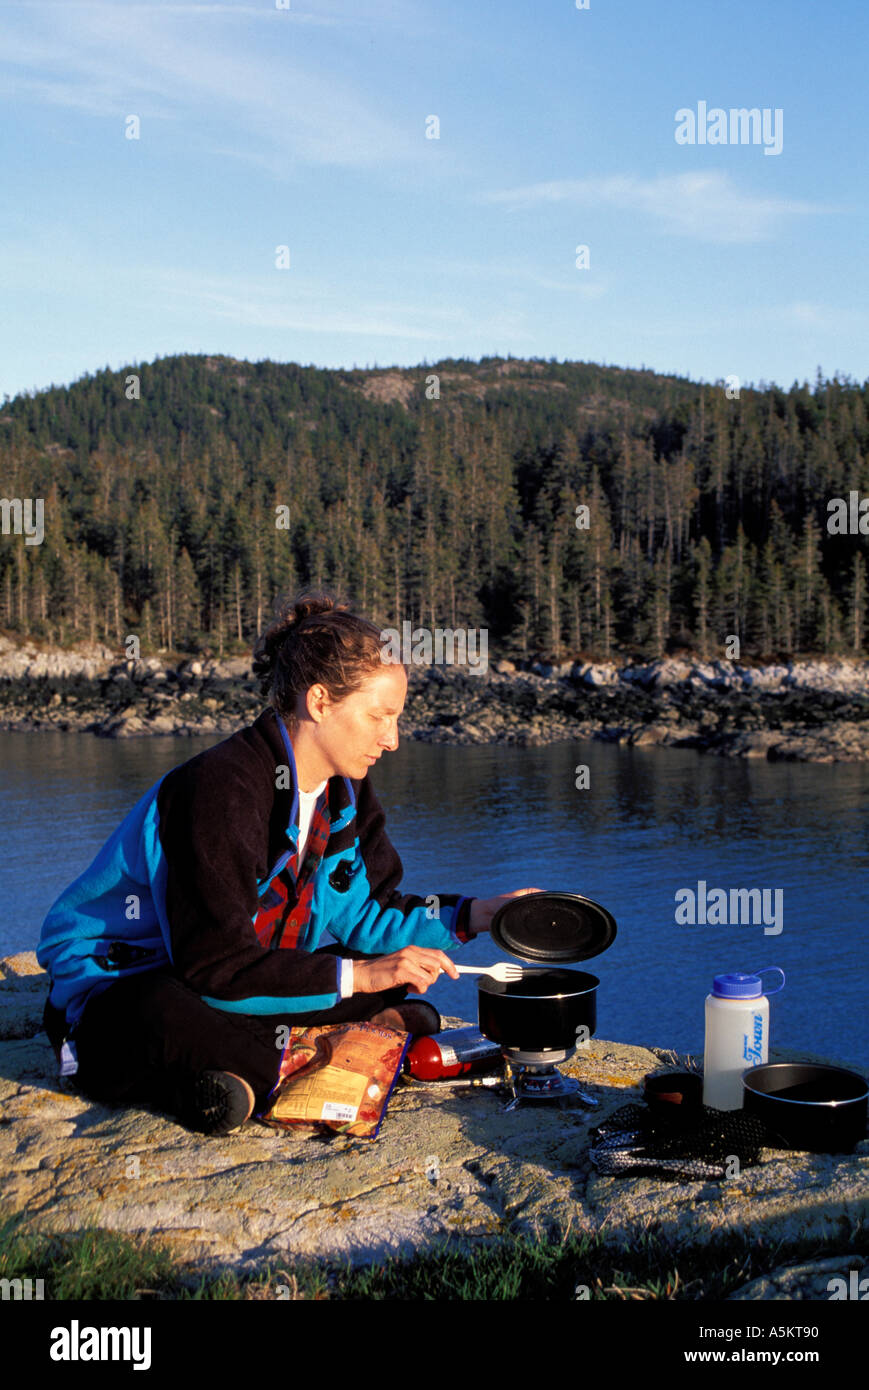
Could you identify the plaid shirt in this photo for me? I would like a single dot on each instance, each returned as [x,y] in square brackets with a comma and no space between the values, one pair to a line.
[286,903]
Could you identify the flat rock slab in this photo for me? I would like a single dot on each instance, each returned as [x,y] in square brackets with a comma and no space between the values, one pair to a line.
[447,1164]
[840,1277]
[23,992]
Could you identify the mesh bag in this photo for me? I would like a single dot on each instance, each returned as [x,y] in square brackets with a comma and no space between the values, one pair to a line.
[693,1142]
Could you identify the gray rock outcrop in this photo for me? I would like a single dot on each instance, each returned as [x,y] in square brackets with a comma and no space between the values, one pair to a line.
[809,711]
[447,1163]
[840,1276]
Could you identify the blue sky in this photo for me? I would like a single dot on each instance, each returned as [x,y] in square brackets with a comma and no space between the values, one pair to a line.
[306,127]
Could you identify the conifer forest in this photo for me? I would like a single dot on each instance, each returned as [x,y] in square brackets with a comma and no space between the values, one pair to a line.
[567,508]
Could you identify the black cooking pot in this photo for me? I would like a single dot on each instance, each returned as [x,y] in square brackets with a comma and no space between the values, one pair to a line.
[542,1012]
[808,1105]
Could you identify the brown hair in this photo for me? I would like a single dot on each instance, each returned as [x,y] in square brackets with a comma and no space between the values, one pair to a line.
[314,640]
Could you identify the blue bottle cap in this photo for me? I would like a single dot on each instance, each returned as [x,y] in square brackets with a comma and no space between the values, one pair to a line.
[737,986]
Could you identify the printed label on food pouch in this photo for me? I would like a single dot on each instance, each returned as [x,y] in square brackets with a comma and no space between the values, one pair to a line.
[333,1111]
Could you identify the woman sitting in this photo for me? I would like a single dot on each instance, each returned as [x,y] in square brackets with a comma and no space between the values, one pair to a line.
[181,955]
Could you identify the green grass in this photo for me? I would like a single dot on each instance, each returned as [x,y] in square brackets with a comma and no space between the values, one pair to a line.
[105,1265]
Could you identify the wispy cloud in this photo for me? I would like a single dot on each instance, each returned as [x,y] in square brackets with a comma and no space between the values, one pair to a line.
[705,205]
[742,324]
[276,301]
[820,318]
[524,274]
[285,104]
[280,304]
[327,13]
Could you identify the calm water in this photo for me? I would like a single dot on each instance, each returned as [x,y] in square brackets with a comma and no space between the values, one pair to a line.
[487,820]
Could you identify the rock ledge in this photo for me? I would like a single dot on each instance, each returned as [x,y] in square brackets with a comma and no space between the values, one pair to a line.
[260,1195]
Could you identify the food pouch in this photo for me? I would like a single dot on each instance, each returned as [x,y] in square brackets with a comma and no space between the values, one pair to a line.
[337,1077]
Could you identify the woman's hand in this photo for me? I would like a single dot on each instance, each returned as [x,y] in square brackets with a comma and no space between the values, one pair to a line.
[418,966]
[484,909]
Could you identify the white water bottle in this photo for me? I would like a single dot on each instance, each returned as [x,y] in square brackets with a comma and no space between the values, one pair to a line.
[737,1035]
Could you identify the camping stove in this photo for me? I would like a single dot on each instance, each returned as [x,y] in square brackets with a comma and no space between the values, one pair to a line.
[534,1077]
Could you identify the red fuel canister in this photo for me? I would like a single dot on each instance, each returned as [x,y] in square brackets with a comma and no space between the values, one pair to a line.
[455,1052]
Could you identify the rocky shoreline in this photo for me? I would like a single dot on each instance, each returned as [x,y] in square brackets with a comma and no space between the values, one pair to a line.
[810,711]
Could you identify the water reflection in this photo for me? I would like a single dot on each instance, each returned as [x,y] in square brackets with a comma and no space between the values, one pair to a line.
[483,820]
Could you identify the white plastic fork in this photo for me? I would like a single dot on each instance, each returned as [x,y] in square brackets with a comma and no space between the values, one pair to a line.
[503,972]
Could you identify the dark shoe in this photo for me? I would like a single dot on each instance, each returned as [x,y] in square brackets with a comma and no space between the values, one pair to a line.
[412,1016]
[217,1102]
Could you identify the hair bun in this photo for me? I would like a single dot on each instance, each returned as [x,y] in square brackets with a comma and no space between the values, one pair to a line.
[290,613]
[309,605]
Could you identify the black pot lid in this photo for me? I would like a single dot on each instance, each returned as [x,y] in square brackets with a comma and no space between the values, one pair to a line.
[553,927]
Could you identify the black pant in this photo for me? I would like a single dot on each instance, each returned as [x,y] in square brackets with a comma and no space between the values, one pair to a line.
[148,1034]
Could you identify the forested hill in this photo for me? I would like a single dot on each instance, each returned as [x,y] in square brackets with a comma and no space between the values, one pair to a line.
[179,496]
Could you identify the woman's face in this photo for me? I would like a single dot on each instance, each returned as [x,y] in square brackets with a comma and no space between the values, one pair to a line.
[351,734]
